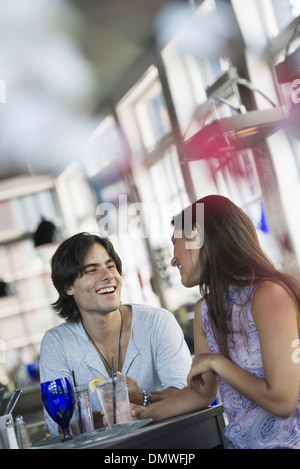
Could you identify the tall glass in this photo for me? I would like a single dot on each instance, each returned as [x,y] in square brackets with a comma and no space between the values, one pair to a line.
[82,420]
[58,399]
[113,395]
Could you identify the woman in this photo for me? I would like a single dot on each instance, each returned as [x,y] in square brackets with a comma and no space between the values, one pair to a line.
[246,329]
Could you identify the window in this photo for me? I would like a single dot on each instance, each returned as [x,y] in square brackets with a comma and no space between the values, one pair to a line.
[152,117]
[285,11]
[278,14]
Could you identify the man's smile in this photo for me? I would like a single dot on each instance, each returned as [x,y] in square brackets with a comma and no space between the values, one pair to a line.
[105,290]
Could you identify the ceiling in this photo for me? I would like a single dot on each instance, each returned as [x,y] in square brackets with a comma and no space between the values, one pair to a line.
[113,38]
[118,34]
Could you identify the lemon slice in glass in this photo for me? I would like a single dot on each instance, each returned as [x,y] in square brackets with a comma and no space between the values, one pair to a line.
[93,383]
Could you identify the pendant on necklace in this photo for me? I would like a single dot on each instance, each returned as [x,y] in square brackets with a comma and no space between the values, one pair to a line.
[104,361]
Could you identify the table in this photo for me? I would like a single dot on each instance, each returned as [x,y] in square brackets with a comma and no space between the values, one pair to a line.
[196,430]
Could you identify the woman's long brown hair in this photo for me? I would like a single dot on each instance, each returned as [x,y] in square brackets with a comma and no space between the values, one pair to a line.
[230,255]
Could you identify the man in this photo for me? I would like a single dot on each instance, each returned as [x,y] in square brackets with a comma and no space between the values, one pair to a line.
[144,343]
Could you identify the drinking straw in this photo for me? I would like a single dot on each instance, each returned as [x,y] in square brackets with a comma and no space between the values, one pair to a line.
[73,374]
[114,390]
[2,391]
[13,401]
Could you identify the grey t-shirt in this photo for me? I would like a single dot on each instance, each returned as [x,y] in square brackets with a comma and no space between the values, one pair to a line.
[157,356]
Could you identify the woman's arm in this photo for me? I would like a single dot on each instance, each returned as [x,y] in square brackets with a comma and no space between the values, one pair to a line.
[184,400]
[276,317]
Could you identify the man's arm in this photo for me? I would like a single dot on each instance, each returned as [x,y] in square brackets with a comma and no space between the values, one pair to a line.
[171,360]
[136,395]
[172,355]
[186,399]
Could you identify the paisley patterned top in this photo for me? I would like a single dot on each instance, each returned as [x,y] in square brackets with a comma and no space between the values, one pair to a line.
[249,426]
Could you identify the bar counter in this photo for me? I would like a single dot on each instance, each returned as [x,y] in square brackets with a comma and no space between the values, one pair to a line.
[196,430]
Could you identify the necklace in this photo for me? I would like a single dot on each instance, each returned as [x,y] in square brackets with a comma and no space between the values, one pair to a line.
[105,362]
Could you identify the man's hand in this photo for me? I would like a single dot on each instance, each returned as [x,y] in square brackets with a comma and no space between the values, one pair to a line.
[135,394]
[134,391]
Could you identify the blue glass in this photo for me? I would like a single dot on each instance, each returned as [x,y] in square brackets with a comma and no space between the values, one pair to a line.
[33,370]
[58,399]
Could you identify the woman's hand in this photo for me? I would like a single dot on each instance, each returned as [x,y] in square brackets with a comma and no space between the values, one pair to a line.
[201,364]
[139,412]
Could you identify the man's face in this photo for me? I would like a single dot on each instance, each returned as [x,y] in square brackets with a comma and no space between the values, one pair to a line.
[98,290]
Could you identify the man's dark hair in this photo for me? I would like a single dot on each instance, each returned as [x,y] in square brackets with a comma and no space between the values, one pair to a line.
[66,266]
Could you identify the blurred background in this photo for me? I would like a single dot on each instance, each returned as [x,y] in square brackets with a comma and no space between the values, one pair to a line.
[115,115]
